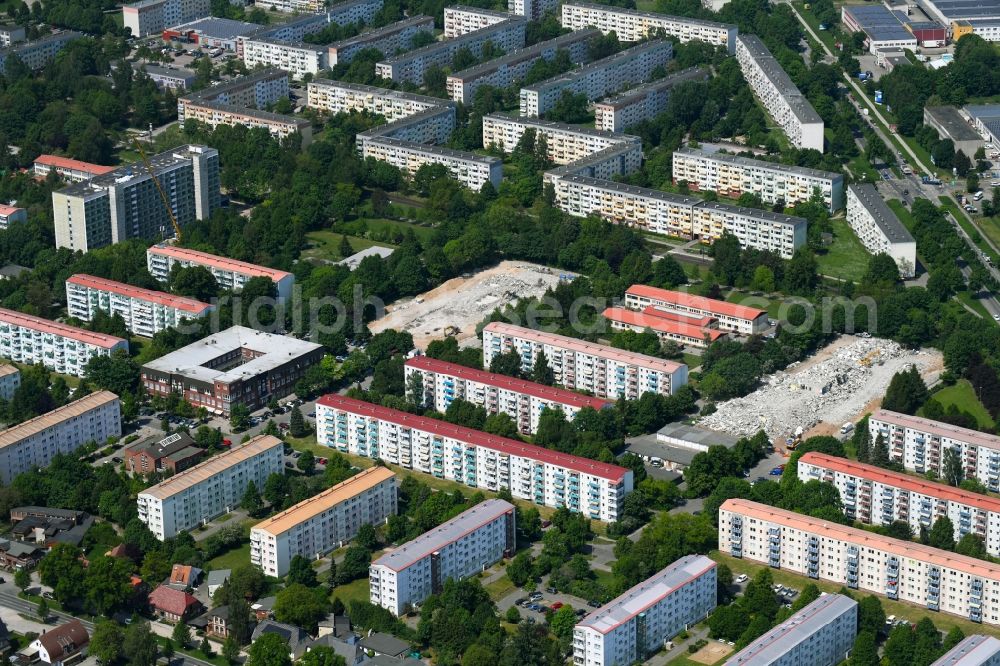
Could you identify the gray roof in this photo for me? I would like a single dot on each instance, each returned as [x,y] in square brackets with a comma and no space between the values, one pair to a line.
[355,259]
[455,43]
[633,95]
[162,446]
[614,60]
[19,548]
[755,213]
[437,150]
[218,576]
[779,78]
[384,92]
[13,270]
[219,28]
[165,72]
[238,84]
[967,9]
[565,128]
[159,162]
[444,534]
[953,123]
[770,647]
[886,220]
[759,164]
[655,15]
[384,31]
[296,637]
[696,435]
[383,643]
[527,53]
[879,23]
[350,651]
[975,650]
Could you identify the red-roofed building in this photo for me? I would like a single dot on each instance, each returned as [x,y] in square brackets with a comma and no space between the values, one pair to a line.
[11,215]
[731,316]
[666,327]
[28,339]
[173,605]
[229,273]
[521,400]
[70,169]
[473,457]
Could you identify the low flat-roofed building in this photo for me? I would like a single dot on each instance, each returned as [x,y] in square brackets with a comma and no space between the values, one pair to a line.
[72,170]
[974,650]
[950,124]
[167,78]
[174,453]
[731,316]
[693,437]
[878,228]
[986,119]
[882,27]
[667,326]
[212,32]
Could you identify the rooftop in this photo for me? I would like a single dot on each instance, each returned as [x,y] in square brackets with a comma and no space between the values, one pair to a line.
[751,163]
[456,42]
[384,31]
[159,297]
[50,327]
[696,435]
[478,11]
[974,650]
[165,72]
[428,149]
[683,20]
[527,53]
[59,162]
[159,163]
[384,93]
[681,298]
[634,94]
[222,263]
[620,58]
[266,116]
[967,9]
[661,324]
[353,261]
[886,220]
[8,210]
[938,428]
[779,78]
[565,128]
[237,84]
[219,28]
[879,23]
[464,523]
[161,446]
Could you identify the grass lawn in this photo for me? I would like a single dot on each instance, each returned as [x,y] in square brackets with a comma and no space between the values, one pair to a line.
[964,397]
[990,227]
[760,302]
[692,361]
[979,308]
[71,381]
[380,227]
[500,588]
[356,590]
[845,258]
[327,243]
[970,228]
[685,661]
[859,166]
[231,558]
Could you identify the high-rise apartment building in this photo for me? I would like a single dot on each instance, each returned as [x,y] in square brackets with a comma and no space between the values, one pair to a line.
[633,26]
[643,102]
[878,228]
[37,53]
[388,39]
[149,17]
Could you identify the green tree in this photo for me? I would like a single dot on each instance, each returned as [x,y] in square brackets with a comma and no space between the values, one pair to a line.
[300,571]
[181,635]
[276,489]
[269,650]
[865,650]
[62,570]
[301,606]
[942,534]
[541,372]
[952,471]
[971,545]
[508,363]
[251,501]
[520,568]
[906,393]
[321,655]
[194,282]
[240,623]
[306,462]
[344,249]
[205,647]
[108,583]
[22,578]
[296,423]
[43,610]
[239,417]
[728,622]
[871,617]
[231,650]
[140,645]
[367,537]
[562,623]
[513,615]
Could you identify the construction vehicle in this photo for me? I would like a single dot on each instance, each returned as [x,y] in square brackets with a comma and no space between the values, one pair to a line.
[869,358]
[159,188]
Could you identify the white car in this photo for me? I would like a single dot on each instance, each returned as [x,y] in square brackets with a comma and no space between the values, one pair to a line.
[742,578]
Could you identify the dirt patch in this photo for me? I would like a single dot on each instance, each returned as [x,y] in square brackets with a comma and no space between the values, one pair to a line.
[711,653]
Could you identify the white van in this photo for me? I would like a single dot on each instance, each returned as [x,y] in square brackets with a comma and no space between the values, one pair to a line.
[978,195]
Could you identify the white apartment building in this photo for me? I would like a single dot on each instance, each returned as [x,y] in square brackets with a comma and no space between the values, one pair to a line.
[469,169]
[532,9]
[336,97]
[11,215]
[461,547]
[462,19]
[126,203]
[60,348]
[37,53]
[730,316]
[296,58]
[642,103]
[279,125]
[630,628]
[145,312]
[473,457]
[820,634]
[323,522]
[732,175]
[11,34]
[862,560]
[974,650]
[150,17]
[788,107]
[521,400]
[229,273]
[10,379]
[394,37]
[878,228]
[33,444]
[209,489]
[605,371]
[601,77]
[876,496]
[294,5]
[504,71]
[633,26]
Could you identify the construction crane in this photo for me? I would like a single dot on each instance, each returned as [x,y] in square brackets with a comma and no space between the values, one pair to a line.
[159,188]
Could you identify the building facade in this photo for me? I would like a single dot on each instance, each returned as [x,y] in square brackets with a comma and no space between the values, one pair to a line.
[462,19]
[10,379]
[33,444]
[150,17]
[950,124]
[229,273]
[11,34]
[323,522]
[11,215]
[461,547]
[296,58]
[635,625]
[389,39]
[60,348]
[472,457]
[878,228]
[731,316]
[633,26]
[37,53]
[209,489]
[642,103]
[532,9]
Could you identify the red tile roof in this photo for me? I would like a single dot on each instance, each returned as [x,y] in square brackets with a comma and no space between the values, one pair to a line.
[160,297]
[691,301]
[55,328]
[169,600]
[64,640]
[684,317]
[7,210]
[222,263]
[475,437]
[58,162]
[661,324]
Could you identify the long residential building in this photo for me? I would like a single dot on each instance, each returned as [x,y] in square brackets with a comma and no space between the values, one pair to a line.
[209,489]
[296,58]
[37,53]
[974,650]
[732,175]
[33,444]
[150,17]
[919,445]
[61,348]
[633,26]
[126,203]
[506,70]
[668,326]
[642,103]
[462,19]
[775,90]
[821,634]
[731,316]
[69,169]
[461,547]
[861,560]
[146,312]
[876,496]
[878,228]
[230,274]
[601,77]
[387,40]
[634,626]
[473,457]
[521,400]
[323,522]
[604,371]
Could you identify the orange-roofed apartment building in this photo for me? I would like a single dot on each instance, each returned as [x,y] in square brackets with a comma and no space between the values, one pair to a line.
[229,273]
[323,522]
[521,400]
[877,496]
[32,444]
[69,169]
[861,560]
[730,316]
[209,489]
[60,348]
[146,312]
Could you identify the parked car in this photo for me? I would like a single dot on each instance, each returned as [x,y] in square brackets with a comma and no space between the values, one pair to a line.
[551,590]
[556,606]
[521,601]
[777,471]
[742,578]
[594,603]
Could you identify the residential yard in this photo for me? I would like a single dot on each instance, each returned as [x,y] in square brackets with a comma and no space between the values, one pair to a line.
[845,258]
[324,245]
[499,588]
[356,590]
[772,306]
[232,558]
[964,397]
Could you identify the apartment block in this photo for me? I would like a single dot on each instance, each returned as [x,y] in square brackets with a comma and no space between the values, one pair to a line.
[506,70]
[788,107]
[919,445]
[10,379]
[33,444]
[532,9]
[861,560]
[461,547]
[126,204]
[601,77]
[820,634]
[11,215]
[604,371]
[698,332]
[296,5]
[68,169]
[505,36]
[878,228]
[296,58]
[732,175]
[740,319]
[462,19]
[473,457]
[634,26]
[11,34]
[642,103]
[60,348]
[323,522]
[167,78]
[975,650]
[209,489]
[229,273]
[876,496]
[635,625]
[150,17]
[145,312]
[521,400]
[389,40]
[38,53]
